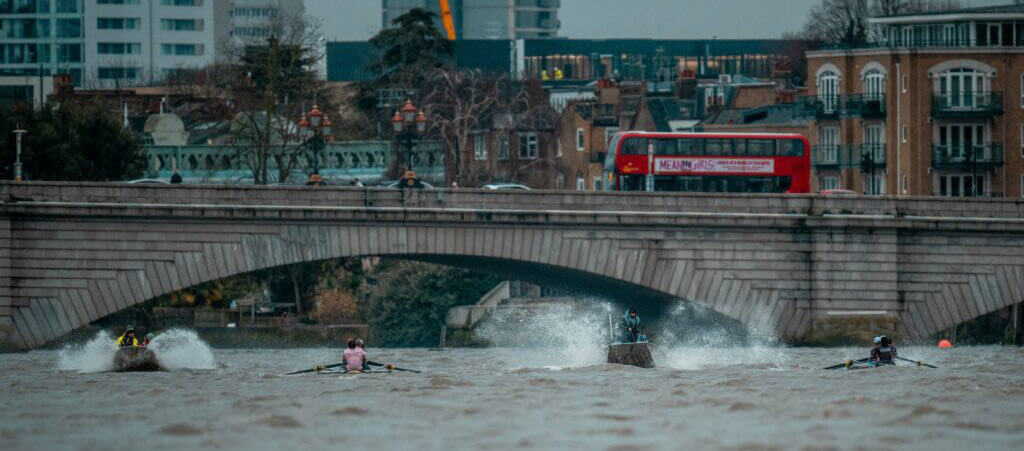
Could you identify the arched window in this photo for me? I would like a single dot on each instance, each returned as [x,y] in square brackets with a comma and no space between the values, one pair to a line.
[828,90]
[560,181]
[874,85]
[962,88]
[581,183]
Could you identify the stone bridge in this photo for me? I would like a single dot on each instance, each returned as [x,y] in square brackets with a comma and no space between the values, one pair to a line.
[798,266]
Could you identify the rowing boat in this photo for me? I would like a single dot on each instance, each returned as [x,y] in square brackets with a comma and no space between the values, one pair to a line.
[135,358]
[355,372]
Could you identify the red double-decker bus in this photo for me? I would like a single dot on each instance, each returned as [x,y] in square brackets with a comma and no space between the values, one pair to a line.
[708,162]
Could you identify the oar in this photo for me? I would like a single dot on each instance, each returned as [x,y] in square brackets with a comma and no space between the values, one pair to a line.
[918,362]
[846,364]
[390,367]
[316,368]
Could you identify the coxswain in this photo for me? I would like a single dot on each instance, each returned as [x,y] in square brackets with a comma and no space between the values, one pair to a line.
[127,338]
[147,340]
[883,352]
[354,356]
[631,326]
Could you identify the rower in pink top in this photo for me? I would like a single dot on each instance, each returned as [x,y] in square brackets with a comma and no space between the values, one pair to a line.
[354,356]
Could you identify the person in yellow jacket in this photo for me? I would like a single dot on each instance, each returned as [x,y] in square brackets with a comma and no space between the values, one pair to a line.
[127,338]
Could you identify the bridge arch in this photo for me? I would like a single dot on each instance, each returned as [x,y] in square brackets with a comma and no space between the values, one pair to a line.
[199,253]
[72,253]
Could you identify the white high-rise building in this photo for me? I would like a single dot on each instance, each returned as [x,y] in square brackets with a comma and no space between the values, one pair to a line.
[106,43]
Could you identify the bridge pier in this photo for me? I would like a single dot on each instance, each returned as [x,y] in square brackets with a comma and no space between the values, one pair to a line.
[6,322]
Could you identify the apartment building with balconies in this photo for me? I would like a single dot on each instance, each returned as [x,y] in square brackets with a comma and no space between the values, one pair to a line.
[933,106]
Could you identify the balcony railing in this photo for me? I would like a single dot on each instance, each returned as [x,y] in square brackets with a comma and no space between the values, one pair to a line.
[818,107]
[909,44]
[868,105]
[829,156]
[968,157]
[869,157]
[967,103]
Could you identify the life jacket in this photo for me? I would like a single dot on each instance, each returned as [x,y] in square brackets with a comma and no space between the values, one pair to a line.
[885,353]
[125,341]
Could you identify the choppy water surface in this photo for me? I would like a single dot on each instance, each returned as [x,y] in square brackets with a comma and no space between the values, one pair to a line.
[501,398]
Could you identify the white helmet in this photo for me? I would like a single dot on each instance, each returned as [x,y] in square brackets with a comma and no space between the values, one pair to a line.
[878,340]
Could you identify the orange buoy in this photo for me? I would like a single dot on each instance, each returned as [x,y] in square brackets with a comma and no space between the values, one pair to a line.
[945,344]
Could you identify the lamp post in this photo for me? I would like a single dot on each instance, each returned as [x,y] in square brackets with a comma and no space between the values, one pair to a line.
[409,124]
[17,159]
[867,166]
[320,126]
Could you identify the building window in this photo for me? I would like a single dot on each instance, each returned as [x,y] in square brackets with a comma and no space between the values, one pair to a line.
[117,2]
[181,49]
[580,140]
[560,181]
[904,82]
[874,85]
[528,146]
[69,28]
[828,91]
[503,148]
[608,133]
[480,147]
[829,182]
[182,2]
[903,134]
[558,147]
[69,53]
[117,23]
[115,73]
[181,24]
[875,184]
[67,6]
[961,185]
[581,183]
[1022,185]
[906,185]
[118,48]
[962,88]
[597,183]
[829,141]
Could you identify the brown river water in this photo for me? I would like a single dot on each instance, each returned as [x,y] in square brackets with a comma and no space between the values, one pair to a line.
[730,398]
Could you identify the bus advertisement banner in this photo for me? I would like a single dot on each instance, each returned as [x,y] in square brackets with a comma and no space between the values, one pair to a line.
[714,165]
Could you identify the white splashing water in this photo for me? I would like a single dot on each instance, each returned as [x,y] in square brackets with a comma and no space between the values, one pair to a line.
[182,348]
[572,334]
[94,356]
[174,349]
[714,345]
[577,334]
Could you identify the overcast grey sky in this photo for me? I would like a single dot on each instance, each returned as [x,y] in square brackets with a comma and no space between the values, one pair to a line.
[353,20]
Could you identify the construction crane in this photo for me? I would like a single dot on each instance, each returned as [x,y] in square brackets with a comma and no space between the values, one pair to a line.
[446,18]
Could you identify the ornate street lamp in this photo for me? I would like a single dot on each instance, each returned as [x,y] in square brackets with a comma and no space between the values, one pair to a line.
[320,126]
[409,124]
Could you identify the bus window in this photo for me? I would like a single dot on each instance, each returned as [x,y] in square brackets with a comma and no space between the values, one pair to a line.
[689,146]
[718,147]
[791,148]
[760,147]
[634,146]
[665,147]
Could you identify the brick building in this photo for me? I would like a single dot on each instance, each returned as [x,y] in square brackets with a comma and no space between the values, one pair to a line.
[934,106]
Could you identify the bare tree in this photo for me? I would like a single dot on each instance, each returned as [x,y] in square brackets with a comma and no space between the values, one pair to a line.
[265,83]
[846,21]
[462,102]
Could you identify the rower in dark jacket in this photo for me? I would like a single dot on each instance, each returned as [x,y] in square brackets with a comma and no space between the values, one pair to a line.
[884,351]
[631,327]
